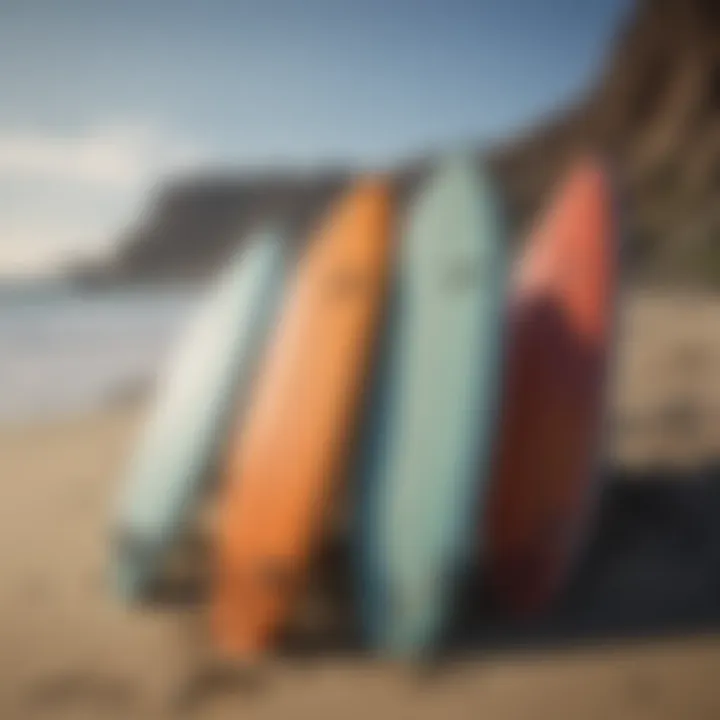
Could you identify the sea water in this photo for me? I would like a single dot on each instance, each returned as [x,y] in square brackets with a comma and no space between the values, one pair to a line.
[63,351]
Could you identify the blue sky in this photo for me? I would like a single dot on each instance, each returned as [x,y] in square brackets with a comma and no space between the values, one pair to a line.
[101,100]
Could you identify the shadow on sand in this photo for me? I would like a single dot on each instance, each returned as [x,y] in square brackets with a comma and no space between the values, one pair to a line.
[652,570]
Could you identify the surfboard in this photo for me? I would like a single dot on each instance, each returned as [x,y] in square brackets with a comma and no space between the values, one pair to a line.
[292,449]
[561,320]
[429,437]
[204,384]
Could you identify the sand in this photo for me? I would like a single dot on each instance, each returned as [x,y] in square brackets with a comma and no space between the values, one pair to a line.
[68,649]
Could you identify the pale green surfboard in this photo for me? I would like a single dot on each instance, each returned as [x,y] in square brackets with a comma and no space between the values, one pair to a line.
[428,445]
[202,392]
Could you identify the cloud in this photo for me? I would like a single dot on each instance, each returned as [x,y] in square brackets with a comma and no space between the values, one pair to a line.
[41,233]
[64,196]
[38,248]
[114,156]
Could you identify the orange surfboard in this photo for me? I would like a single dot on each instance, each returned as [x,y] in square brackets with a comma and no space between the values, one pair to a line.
[561,320]
[295,439]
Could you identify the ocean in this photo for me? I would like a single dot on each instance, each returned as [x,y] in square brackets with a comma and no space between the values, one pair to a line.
[64,351]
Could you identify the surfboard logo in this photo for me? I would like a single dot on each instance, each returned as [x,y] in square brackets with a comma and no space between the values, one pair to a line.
[345,283]
[462,274]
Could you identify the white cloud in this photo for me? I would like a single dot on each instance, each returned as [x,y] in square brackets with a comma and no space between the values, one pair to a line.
[121,156]
[29,249]
[69,195]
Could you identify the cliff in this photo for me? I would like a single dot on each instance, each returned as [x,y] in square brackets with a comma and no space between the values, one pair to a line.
[655,113]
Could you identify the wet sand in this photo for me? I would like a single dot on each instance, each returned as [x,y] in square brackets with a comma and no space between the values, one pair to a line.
[637,636]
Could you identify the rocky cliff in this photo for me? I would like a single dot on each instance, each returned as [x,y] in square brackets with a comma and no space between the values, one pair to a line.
[655,113]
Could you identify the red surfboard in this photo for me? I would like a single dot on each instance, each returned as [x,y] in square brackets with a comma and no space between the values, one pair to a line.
[561,320]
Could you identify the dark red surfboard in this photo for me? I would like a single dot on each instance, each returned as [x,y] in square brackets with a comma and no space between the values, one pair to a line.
[561,330]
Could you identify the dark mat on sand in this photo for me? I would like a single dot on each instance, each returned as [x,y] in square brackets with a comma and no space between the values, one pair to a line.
[652,568]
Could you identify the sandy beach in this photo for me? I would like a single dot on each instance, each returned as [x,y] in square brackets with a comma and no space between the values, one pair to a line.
[69,650]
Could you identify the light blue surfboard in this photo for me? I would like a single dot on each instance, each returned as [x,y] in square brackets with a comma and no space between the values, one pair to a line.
[200,394]
[426,455]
